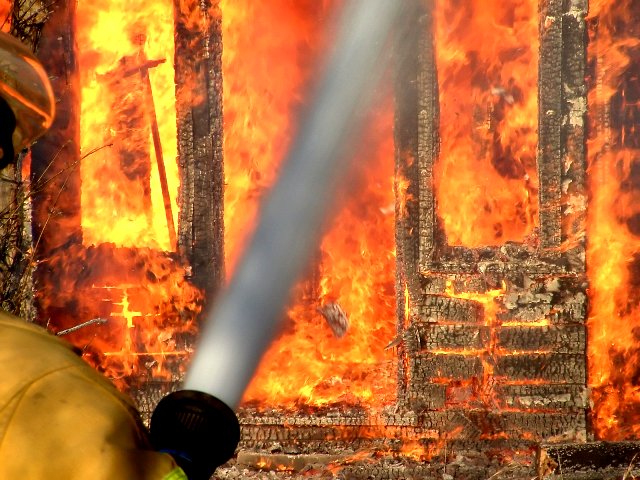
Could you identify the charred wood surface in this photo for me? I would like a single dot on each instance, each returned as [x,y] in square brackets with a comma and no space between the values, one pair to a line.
[550,367]
[55,169]
[448,309]
[585,461]
[406,167]
[428,139]
[198,75]
[543,397]
[561,339]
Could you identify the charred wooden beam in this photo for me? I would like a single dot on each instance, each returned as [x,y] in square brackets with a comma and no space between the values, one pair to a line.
[428,366]
[550,367]
[560,339]
[448,309]
[198,74]
[55,169]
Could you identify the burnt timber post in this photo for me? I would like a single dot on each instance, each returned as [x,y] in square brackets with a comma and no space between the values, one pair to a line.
[198,75]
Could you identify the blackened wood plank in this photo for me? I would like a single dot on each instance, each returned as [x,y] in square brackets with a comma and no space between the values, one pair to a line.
[561,339]
[447,309]
[438,337]
[426,366]
[550,107]
[550,367]
[543,397]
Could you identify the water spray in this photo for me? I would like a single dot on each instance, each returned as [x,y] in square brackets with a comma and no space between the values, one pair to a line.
[197,425]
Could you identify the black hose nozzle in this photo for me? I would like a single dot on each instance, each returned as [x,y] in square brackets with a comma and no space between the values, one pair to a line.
[198,430]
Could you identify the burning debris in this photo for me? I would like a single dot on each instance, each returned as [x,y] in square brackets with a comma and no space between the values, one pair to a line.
[336,318]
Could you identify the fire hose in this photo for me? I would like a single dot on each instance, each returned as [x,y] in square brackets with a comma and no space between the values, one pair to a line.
[197,425]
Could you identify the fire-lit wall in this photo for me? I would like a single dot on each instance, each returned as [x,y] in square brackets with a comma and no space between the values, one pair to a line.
[495,258]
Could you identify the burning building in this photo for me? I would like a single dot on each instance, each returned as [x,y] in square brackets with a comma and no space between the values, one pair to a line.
[475,296]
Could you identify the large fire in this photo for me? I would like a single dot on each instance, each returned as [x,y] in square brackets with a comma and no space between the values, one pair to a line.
[123,278]
[487,55]
[485,176]
[614,221]
[270,55]
[126,272]
[488,123]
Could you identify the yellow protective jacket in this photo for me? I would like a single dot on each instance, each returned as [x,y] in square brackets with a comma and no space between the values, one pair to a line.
[60,419]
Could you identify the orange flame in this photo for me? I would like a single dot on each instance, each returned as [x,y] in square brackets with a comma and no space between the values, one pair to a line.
[486,57]
[614,252]
[268,57]
[6,7]
[115,40]
[122,274]
[356,271]
[269,49]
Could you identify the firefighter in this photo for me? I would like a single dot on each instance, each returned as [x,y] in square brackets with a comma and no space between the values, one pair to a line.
[59,418]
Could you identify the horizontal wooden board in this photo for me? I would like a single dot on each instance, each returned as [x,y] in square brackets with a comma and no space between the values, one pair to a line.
[437,337]
[550,367]
[543,397]
[559,339]
[435,308]
[425,366]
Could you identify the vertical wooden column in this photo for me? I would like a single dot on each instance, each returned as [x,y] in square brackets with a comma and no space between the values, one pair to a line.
[55,169]
[415,97]
[198,74]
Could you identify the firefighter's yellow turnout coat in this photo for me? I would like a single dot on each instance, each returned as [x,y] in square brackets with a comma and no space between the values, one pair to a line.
[60,419]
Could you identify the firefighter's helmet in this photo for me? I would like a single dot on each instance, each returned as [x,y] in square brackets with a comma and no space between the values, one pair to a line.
[25,87]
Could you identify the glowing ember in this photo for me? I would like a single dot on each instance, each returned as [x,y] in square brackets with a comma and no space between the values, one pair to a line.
[486,57]
[269,52]
[614,226]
